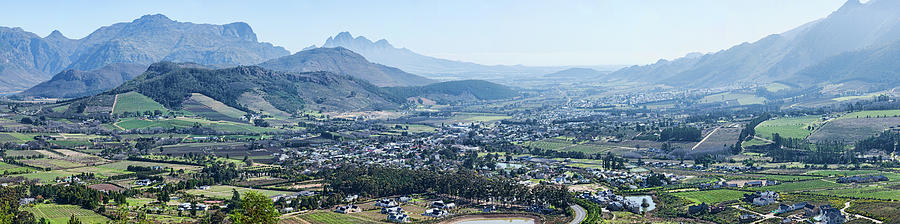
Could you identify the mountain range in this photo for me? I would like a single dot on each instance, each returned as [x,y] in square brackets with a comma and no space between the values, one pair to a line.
[849,44]
[75,83]
[342,61]
[384,53]
[26,59]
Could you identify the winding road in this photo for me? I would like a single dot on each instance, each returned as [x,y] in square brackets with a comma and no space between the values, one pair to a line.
[580,214]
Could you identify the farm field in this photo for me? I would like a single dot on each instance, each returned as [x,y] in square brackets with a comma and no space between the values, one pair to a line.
[743,99]
[853,129]
[61,213]
[224,191]
[184,122]
[788,127]
[711,196]
[478,117]
[212,109]
[47,176]
[717,140]
[9,168]
[136,102]
[51,163]
[871,113]
[802,186]
[327,217]
[869,192]
[123,165]
[829,173]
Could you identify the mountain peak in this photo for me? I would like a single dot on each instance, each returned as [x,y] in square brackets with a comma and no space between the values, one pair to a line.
[56,35]
[153,18]
[850,4]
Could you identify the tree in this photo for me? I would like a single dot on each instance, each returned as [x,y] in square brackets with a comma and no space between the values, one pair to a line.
[256,208]
[73,220]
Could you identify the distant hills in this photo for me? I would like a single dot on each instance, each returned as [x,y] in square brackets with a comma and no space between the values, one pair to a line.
[847,45]
[253,88]
[384,53]
[26,59]
[587,73]
[342,61]
[74,83]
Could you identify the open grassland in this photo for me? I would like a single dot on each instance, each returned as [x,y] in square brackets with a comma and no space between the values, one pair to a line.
[9,138]
[22,153]
[327,217]
[775,87]
[741,98]
[886,211]
[711,196]
[51,163]
[788,127]
[549,144]
[853,129]
[61,213]
[136,102]
[225,192]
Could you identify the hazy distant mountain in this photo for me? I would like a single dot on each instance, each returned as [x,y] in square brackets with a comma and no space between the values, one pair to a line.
[383,52]
[342,61]
[244,87]
[577,73]
[26,59]
[76,83]
[878,68]
[853,27]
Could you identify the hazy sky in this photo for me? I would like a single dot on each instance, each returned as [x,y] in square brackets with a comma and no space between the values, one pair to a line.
[482,31]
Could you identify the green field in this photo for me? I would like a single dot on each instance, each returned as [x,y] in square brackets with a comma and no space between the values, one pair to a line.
[6,167]
[872,113]
[775,87]
[224,191]
[712,196]
[788,127]
[123,165]
[549,144]
[869,192]
[212,109]
[184,122]
[136,102]
[47,176]
[743,99]
[331,218]
[802,186]
[61,213]
[828,173]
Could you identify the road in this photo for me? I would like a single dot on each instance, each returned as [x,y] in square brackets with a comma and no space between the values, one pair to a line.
[704,139]
[847,204]
[580,214]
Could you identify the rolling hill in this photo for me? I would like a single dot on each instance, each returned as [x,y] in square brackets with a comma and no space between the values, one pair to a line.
[74,83]
[242,87]
[343,61]
[456,91]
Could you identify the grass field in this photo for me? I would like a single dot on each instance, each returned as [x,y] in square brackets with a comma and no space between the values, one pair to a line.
[775,87]
[853,129]
[326,217]
[869,192]
[224,191]
[61,213]
[743,99]
[47,176]
[711,197]
[51,163]
[872,113]
[136,102]
[787,127]
[802,186]
[9,168]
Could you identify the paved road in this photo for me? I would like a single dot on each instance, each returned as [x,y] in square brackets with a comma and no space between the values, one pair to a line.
[580,214]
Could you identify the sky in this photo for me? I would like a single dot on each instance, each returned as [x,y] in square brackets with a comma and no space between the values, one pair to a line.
[526,32]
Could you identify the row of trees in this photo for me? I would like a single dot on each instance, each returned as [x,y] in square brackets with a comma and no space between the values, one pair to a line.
[376,181]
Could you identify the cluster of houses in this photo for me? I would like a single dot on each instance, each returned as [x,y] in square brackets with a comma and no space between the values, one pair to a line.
[724,184]
[762,198]
[612,201]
